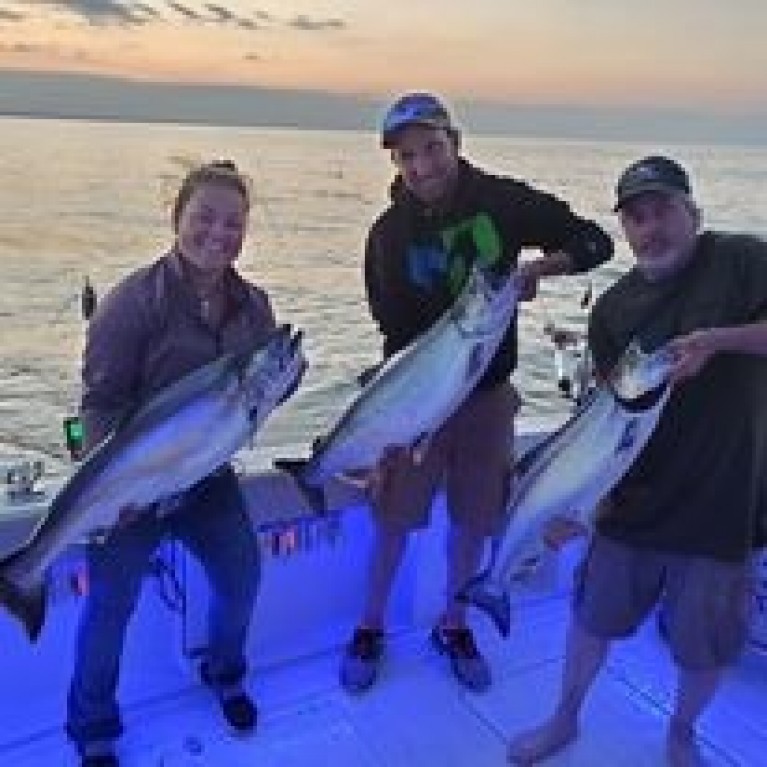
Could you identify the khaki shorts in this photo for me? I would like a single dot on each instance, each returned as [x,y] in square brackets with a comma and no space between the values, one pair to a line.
[704,602]
[471,455]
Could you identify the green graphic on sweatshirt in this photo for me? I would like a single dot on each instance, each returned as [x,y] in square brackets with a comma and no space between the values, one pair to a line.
[475,240]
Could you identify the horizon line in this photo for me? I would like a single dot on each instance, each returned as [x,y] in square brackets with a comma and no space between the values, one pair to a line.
[106,98]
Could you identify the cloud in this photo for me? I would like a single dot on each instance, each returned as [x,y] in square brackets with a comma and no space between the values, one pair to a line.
[222,15]
[8,15]
[185,11]
[103,12]
[306,24]
[148,10]
[31,49]
[138,12]
[220,12]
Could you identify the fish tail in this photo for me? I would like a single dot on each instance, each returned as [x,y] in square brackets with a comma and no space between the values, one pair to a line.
[491,599]
[28,606]
[313,494]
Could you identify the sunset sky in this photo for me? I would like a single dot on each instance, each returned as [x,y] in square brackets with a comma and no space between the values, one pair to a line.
[687,53]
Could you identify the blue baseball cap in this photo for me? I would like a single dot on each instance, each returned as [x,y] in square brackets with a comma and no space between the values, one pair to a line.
[652,174]
[414,109]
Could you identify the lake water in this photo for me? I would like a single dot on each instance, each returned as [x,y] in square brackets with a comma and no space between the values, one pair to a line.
[80,198]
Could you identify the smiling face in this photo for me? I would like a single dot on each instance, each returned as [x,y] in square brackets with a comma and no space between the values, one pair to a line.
[211,226]
[427,159]
[661,229]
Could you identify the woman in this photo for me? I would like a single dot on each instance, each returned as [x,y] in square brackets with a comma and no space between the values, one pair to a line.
[157,325]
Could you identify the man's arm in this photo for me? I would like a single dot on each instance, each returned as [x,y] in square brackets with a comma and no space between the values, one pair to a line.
[746,339]
[383,294]
[551,264]
[694,350]
[748,332]
[530,272]
[569,244]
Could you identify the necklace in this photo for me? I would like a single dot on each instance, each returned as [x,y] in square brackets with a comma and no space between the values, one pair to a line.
[213,306]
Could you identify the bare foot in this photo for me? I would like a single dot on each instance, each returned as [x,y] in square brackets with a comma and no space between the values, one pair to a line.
[682,750]
[537,744]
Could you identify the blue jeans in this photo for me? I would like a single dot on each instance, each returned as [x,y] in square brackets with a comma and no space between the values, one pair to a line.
[212,523]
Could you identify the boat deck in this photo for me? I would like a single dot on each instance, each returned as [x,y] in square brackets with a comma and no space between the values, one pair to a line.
[418,715]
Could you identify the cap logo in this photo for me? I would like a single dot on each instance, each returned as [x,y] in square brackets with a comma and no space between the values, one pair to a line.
[646,172]
[651,174]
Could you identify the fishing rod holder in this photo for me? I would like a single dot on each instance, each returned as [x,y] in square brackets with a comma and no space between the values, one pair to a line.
[572,362]
[21,481]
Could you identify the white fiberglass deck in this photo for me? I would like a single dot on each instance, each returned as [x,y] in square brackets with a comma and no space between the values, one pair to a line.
[417,715]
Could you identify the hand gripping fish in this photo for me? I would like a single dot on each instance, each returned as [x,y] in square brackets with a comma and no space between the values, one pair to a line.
[415,391]
[179,437]
[571,470]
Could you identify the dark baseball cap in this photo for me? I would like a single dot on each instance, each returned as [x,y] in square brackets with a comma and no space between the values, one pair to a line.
[414,109]
[652,174]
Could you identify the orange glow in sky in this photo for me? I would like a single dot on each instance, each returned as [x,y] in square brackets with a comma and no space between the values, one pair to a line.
[658,52]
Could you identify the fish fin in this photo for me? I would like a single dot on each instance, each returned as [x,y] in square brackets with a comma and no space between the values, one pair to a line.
[368,374]
[476,362]
[27,606]
[313,495]
[494,601]
[526,460]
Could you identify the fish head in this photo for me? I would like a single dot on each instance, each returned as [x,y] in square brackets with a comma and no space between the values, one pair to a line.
[273,371]
[486,304]
[638,373]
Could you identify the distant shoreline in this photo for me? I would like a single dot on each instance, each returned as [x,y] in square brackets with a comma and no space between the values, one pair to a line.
[53,95]
[550,135]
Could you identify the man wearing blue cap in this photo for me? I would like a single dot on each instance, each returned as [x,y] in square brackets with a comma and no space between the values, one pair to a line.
[679,528]
[446,215]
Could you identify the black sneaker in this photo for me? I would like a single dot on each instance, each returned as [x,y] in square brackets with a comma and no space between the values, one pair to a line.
[362,659]
[237,707]
[239,711]
[468,665]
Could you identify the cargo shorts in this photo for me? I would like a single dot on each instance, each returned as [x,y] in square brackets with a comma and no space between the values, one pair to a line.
[704,602]
[470,457]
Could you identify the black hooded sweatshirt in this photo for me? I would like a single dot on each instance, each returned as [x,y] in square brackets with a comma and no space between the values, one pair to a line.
[417,259]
